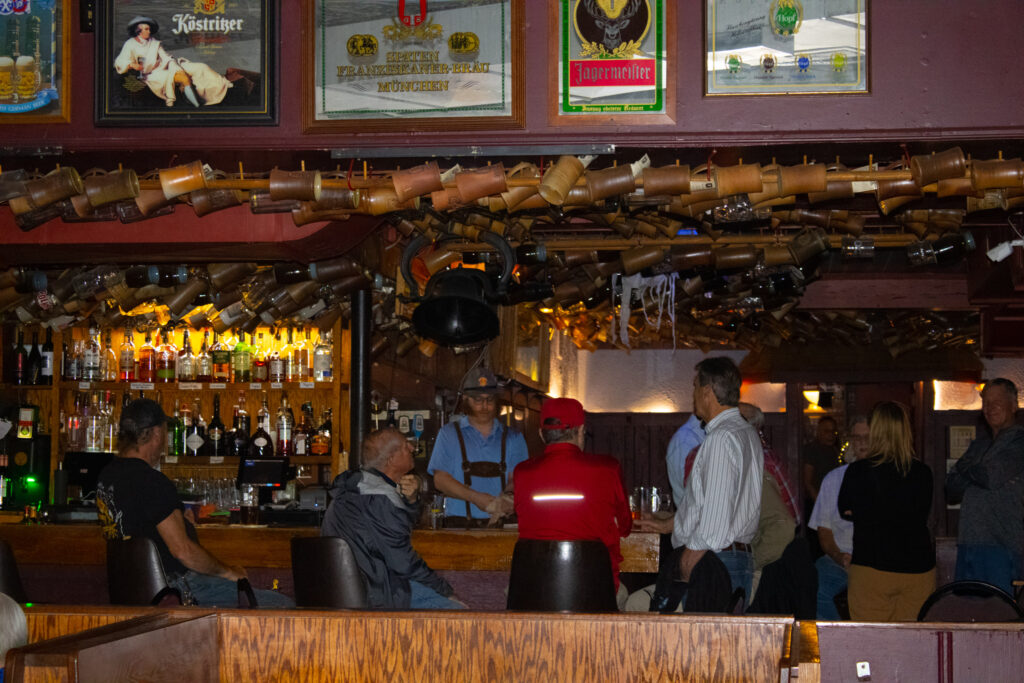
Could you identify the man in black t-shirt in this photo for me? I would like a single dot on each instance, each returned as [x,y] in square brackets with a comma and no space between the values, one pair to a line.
[135,499]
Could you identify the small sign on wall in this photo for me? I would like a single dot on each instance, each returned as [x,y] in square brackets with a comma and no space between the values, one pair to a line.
[960,437]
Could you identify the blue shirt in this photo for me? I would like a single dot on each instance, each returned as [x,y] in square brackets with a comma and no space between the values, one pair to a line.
[447,457]
[686,438]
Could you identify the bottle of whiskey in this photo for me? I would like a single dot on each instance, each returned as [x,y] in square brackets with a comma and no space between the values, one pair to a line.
[262,445]
[260,371]
[275,362]
[215,437]
[241,360]
[220,355]
[147,360]
[126,357]
[322,441]
[91,357]
[186,364]
[304,431]
[323,359]
[166,358]
[285,428]
[204,361]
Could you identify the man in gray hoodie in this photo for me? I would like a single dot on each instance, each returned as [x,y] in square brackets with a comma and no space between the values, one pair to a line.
[374,509]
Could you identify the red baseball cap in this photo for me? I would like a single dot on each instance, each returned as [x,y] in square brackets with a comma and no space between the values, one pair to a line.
[563,413]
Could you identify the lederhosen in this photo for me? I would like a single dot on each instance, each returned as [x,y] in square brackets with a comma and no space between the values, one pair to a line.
[480,469]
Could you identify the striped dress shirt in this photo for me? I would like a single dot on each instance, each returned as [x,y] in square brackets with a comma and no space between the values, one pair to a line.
[722,497]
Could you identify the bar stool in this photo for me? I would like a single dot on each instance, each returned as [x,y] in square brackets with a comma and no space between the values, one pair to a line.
[325,574]
[561,576]
[135,575]
[10,577]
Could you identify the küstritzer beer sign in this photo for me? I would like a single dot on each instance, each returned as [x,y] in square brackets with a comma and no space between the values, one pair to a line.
[413,59]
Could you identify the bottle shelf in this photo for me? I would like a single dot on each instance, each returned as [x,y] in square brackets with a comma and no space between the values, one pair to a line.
[7,386]
[232,460]
[191,386]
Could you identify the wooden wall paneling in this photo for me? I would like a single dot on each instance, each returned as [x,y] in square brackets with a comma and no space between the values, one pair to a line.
[320,646]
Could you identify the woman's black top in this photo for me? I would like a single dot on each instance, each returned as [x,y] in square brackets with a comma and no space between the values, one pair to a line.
[889,512]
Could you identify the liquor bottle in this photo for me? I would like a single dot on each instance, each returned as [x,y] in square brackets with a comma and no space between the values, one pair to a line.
[186,363]
[147,360]
[285,429]
[262,445]
[110,437]
[171,276]
[175,433]
[215,441]
[323,357]
[95,426]
[91,357]
[220,355]
[303,357]
[204,362]
[291,368]
[74,431]
[260,372]
[242,428]
[34,362]
[75,360]
[322,441]
[108,361]
[288,273]
[304,431]
[166,357]
[46,364]
[275,362]
[195,432]
[126,357]
[241,360]
[392,421]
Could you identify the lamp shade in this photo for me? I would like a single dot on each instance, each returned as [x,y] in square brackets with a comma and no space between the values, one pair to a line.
[455,309]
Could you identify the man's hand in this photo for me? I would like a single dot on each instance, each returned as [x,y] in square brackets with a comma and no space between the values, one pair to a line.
[501,505]
[657,526]
[844,560]
[234,573]
[409,487]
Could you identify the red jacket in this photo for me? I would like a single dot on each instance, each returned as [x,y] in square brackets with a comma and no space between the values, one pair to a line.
[569,495]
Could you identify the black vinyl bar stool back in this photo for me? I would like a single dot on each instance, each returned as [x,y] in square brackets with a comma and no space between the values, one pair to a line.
[10,577]
[325,574]
[970,601]
[135,575]
[561,576]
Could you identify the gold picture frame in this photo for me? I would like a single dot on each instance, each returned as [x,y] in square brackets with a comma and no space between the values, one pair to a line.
[41,30]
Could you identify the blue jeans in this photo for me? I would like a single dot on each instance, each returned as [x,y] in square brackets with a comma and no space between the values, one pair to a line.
[422,597]
[990,563]
[214,591]
[831,582]
[740,565]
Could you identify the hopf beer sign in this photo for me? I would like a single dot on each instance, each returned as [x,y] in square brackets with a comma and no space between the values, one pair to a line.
[186,63]
[413,65]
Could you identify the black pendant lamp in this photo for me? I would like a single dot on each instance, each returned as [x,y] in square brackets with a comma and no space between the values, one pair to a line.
[458,307]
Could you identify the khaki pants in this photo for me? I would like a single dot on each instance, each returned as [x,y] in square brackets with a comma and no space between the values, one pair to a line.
[875,595]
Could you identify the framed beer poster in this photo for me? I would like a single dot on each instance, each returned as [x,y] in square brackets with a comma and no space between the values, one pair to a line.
[186,62]
[612,61]
[413,65]
[34,61]
[786,47]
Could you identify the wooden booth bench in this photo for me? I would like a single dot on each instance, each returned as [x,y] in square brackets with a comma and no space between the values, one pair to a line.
[301,645]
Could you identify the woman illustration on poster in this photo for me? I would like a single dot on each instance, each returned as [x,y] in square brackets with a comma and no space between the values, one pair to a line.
[164,74]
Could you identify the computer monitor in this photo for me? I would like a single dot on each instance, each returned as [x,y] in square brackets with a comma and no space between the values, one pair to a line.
[84,471]
[270,472]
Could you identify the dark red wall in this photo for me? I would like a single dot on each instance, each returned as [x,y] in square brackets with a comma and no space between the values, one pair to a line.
[940,69]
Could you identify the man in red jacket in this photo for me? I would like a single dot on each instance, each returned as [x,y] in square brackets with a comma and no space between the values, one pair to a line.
[568,495]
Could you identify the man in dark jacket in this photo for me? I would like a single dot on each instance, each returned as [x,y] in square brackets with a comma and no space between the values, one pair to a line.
[374,510]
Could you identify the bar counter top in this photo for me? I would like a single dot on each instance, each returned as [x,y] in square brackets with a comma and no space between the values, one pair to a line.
[268,546]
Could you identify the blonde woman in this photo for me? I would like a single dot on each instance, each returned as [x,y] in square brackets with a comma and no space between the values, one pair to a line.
[888,496]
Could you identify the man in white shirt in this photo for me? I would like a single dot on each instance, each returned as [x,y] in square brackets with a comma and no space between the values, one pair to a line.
[835,534]
[721,497]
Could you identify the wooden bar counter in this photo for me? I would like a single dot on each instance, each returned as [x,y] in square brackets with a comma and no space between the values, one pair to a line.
[262,546]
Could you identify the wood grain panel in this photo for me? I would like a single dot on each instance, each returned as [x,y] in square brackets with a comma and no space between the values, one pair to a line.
[404,646]
[52,621]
